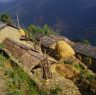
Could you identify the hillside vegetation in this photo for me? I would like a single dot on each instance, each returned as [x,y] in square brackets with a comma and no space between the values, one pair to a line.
[68,74]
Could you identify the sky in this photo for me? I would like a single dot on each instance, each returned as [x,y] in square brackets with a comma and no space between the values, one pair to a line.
[5,1]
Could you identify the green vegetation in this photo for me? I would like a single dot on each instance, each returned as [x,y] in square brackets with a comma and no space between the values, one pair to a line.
[18,82]
[77,65]
[5,18]
[2,46]
[86,81]
[54,91]
[86,42]
[45,30]
[87,61]
[87,75]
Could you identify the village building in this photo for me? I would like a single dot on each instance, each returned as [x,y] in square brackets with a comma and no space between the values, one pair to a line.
[85,53]
[14,33]
[22,50]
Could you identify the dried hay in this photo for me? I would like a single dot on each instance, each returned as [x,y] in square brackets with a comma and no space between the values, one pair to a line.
[67,71]
[64,50]
[22,32]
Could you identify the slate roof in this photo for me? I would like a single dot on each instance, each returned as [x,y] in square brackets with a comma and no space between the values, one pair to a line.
[86,50]
[28,57]
[49,40]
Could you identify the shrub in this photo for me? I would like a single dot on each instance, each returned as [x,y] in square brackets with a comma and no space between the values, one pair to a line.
[85,42]
[77,65]
[87,75]
[45,30]
[19,82]
[55,91]
[6,18]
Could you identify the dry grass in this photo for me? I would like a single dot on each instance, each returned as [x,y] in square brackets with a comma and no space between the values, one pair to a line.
[67,71]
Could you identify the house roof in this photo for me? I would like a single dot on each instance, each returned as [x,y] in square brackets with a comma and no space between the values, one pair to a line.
[86,50]
[49,40]
[58,38]
[2,25]
[28,57]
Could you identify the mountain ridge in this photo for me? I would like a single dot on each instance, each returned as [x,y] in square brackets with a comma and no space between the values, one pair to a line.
[70,18]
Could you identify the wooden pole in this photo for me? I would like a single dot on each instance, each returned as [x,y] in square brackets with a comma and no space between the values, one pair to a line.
[46,68]
[18,20]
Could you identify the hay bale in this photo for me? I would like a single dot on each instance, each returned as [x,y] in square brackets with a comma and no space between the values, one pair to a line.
[64,50]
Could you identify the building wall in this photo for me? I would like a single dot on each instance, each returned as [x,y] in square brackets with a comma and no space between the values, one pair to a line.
[13,34]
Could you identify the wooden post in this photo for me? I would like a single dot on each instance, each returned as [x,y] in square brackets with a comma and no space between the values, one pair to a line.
[18,20]
[46,68]
[79,57]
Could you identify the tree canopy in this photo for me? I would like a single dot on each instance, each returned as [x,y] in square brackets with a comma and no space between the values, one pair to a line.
[5,18]
[45,30]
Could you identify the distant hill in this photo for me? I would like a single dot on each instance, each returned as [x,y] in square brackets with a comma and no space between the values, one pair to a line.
[75,19]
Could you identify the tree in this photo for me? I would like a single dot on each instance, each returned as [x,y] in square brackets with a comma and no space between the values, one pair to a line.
[86,42]
[47,30]
[5,18]
[35,29]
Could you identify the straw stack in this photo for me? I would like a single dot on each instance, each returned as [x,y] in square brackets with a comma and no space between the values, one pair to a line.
[64,50]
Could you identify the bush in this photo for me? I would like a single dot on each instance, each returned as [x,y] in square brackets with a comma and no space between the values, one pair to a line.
[2,46]
[87,75]
[19,82]
[85,42]
[5,18]
[78,66]
[52,91]
[55,91]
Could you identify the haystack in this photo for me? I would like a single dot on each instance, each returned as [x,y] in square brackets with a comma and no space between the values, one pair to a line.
[64,50]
